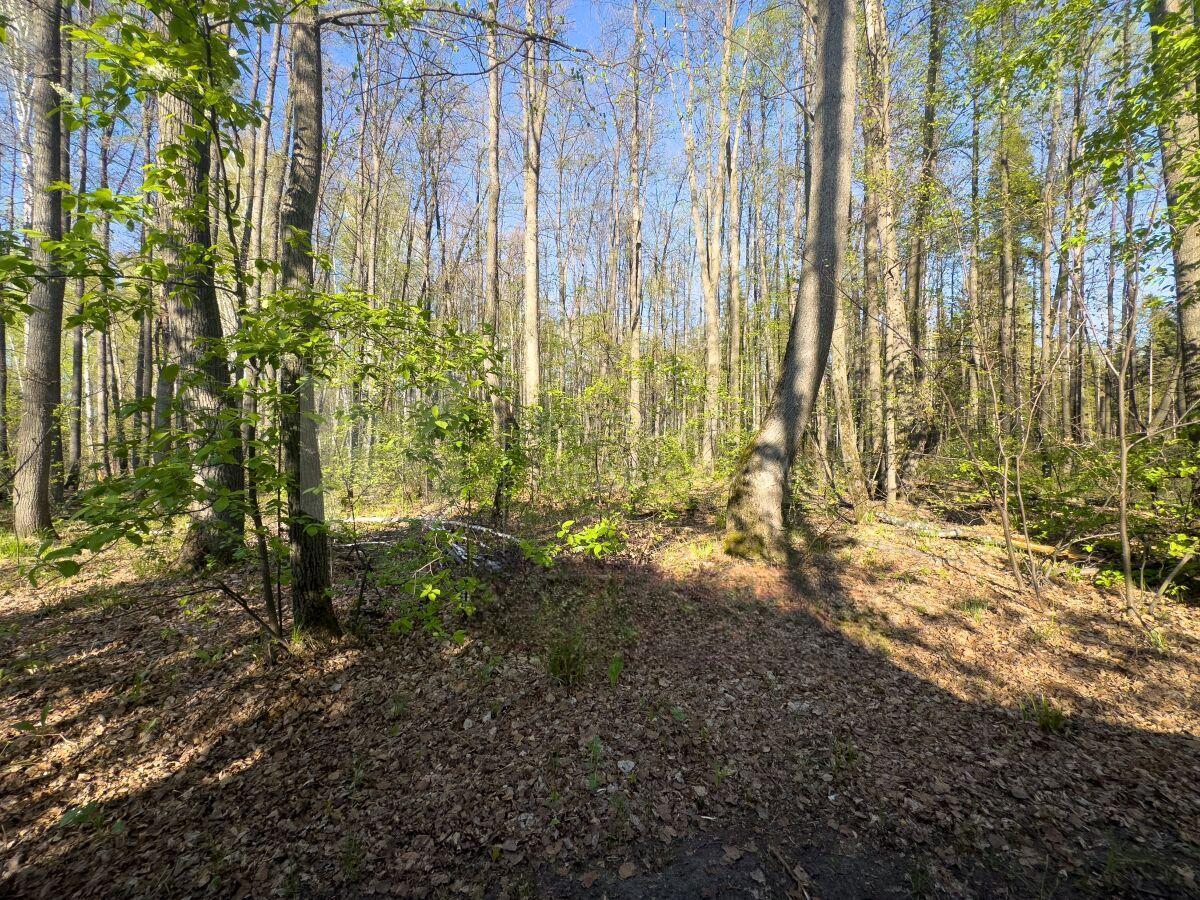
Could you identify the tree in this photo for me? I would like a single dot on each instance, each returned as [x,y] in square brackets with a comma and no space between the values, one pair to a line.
[880,229]
[635,248]
[1179,139]
[216,514]
[536,74]
[43,335]
[312,609]
[755,513]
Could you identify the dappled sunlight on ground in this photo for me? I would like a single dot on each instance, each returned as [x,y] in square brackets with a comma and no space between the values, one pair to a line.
[890,714]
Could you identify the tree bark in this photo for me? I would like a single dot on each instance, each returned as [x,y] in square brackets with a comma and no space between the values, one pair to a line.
[536,74]
[1179,139]
[635,249]
[312,609]
[216,514]
[43,332]
[503,417]
[755,522]
[898,351]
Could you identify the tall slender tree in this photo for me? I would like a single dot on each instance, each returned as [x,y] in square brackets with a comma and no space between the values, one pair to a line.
[536,73]
[1179,138]
[216,516]
[312,608]
[43,331]
[755,523]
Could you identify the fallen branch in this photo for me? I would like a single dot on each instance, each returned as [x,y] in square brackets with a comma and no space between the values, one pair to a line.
[927,529]
[431,522]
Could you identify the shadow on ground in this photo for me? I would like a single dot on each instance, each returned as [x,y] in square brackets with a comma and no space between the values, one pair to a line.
[746,747]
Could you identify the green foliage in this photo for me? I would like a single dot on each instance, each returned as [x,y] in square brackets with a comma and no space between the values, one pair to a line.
[90,815]
[1044,712]
[567,658]
[427,584]
[598,540]
[615,667]
[974,607]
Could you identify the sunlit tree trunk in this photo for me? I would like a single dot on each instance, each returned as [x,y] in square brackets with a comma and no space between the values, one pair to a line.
[635,248]
[43,330]
[926,433]
[1045,404]
[897,348]
[755,521]
[535,76]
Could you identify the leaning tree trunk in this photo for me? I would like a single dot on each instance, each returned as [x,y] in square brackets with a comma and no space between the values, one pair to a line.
[215,530]
[40,385]
[312,609]
[755,523]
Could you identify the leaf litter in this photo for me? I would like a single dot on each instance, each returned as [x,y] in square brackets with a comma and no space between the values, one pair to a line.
[780,732]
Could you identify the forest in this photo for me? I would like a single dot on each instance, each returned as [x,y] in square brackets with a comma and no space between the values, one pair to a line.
[600,448]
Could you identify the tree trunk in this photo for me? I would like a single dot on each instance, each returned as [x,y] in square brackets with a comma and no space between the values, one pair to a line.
[216,529]
[755,523]
[1046,318]
[312,608]
[1179,138]
[926,435]
[1008,285]
[634,416]
[898,362]
[535,77]
[843,404]
[43,335]
[503,417]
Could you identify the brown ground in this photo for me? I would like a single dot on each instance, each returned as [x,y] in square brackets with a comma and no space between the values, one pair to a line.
[849,727]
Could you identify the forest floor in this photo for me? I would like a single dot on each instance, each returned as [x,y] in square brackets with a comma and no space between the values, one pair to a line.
[888,717]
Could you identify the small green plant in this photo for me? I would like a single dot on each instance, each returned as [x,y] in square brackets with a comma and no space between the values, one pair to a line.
[209,658]
[358,773]
[615,667]
[90,815]
[566,659]
[350,855]
[920,882]
[598,540]
[1157,639]
[137,688]
[1045,632]
[37,728]
[678,714]
[488,669]
[595,751]
[426,586]
[973,607]
[843,755]
[1110,579]
[1041,709]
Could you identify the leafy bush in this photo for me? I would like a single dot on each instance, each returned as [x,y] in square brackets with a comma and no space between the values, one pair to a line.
[425,585]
